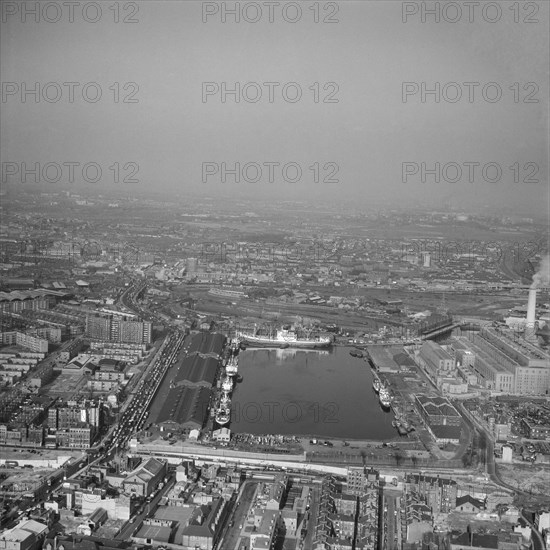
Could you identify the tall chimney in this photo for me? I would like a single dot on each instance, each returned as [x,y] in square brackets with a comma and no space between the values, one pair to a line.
[531,325]
[531,307]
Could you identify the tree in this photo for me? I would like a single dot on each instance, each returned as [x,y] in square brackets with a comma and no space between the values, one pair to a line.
[467,458]
[398,455]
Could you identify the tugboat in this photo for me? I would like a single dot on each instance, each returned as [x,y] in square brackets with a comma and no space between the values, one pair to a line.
[376,384]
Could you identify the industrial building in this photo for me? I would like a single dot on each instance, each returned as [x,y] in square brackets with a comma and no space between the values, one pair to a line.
[185,409]
[207,343]
[196,370]
[440,418]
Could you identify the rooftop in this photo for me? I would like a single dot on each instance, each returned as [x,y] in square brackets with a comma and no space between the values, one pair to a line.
[185,404]
[196,369]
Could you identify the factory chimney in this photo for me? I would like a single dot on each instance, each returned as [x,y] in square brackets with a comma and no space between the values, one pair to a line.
[531,306]
[531,324]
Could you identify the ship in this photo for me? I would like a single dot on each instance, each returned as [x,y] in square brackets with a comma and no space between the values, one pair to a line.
[225,401]
[235,346]
[376,384]
[227,384]
[384,398]
[232,366]
[223,416]
[284,338]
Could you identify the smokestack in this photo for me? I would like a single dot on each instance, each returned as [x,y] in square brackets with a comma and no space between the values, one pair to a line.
[531,307]
[531,325]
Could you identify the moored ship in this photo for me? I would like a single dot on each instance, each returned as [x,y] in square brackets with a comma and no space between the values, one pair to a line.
[376,384]
[227,384]
[284,338]
[225,401]
[384,398]
[232,366]
[223,416]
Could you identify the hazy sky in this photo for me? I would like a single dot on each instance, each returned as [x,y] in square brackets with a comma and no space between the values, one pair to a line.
[170,132]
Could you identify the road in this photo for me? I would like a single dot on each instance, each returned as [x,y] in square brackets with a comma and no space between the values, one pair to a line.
[390,512]
[230,538]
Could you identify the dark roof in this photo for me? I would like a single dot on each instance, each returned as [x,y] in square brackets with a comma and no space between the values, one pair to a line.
[185,405]
[204,530]
[470,499]
[432,480]
[403,359]
[477,540]
[435,406]
[153,466]
[446,432]
[196,369]
[207,343]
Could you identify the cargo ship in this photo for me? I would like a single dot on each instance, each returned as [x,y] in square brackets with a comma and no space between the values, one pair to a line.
[384,398]
[232,366]
[284,338]
[223,416]
[227,384]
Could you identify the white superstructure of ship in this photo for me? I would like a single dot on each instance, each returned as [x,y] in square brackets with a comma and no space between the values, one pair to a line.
[284,338]
[384,397]
[232,366]
[235,345]
[227,384]
[223,416]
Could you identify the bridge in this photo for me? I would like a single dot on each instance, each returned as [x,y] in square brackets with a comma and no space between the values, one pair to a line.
[433,333]
[472,323]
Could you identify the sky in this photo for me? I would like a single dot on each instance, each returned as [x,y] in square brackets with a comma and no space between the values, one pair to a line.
[360,140]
